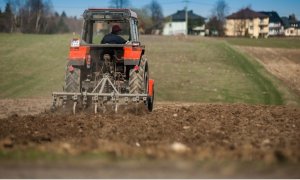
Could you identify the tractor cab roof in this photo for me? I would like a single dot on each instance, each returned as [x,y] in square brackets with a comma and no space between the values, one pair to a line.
[108,14]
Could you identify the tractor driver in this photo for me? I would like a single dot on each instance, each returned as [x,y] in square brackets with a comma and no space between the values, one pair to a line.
[113,37]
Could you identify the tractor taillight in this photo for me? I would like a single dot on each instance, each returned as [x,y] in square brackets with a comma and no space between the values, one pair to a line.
[136,68]
[71,68]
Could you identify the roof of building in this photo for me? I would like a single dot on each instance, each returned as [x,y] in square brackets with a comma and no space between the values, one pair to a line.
[246,13]
[285,21]
[180,16]
[288,21]
[273,16]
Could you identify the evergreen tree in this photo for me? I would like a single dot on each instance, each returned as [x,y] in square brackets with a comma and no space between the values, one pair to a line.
[61,26]
[7,18]
[63,14]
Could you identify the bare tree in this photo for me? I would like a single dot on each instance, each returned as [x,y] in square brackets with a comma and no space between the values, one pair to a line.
[119,3]
[154,10]
[145,21]
[221,10]
[213,26]
[219,13]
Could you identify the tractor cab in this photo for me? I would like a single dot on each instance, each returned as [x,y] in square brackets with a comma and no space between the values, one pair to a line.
[99,22]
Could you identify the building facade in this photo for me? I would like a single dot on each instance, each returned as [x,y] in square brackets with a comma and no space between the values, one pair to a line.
[276,26]
[291,26]
[247,22]
[175,28]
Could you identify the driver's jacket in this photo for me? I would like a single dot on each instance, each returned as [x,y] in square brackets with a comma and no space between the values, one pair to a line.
[112,39]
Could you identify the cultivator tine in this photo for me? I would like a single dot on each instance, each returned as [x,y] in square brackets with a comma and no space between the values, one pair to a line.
[53,108]
[74,107]
[75,99]
[65,98]
[116,107]
[84,100]
[95,100]
[96,108]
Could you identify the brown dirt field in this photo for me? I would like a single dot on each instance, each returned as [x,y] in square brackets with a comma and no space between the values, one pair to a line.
[9,107]
[172,134]
[282,63]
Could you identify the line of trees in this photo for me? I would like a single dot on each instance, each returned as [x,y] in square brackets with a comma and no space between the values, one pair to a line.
[150,16]
[38,16]
[34,16]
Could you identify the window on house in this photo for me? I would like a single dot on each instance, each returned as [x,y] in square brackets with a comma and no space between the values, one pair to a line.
[261,21]
[251,27]
[170,25]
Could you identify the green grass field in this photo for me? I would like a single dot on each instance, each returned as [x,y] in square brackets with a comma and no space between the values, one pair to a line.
[188,70]
[271,42]
[32,65]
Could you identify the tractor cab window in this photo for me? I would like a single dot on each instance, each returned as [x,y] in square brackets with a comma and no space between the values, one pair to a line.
[96,30]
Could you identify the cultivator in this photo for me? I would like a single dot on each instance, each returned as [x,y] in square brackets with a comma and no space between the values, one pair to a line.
[101,74]
[98,97]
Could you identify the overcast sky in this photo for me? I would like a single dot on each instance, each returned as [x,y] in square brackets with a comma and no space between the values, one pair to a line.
[201,7]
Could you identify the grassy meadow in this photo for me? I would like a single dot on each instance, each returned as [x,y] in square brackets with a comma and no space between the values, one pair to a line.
[189,69]
[272,42]
[32,65]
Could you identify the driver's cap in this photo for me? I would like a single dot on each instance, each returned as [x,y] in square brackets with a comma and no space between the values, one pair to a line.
[116,28]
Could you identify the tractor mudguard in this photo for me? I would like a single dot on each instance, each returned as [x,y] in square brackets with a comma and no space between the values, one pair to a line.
[132,55]
[151,87]
[78,55]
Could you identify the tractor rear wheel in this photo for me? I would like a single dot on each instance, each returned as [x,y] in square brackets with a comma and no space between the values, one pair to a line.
[135,82]
[138,80]
[72,80]
[143,71]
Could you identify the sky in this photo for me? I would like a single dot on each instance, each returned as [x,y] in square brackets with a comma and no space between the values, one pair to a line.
[200,7]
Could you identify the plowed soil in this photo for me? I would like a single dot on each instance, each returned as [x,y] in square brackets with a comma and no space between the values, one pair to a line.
[194,132]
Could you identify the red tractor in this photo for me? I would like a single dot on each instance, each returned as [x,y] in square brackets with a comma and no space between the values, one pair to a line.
[106,73]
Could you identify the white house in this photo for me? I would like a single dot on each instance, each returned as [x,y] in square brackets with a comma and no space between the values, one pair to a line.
[174,28]
[176,23]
